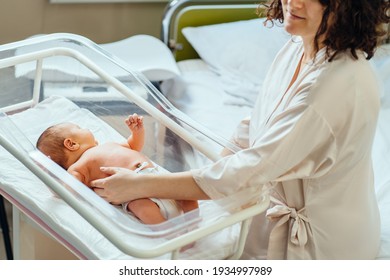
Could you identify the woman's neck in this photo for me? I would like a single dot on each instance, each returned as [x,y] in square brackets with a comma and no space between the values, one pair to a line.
[309,51]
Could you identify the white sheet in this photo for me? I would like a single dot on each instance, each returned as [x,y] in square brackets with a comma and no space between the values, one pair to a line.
[198,93]
[19,184]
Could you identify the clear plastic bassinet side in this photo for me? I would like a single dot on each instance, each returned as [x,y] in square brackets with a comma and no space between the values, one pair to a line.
[66,78]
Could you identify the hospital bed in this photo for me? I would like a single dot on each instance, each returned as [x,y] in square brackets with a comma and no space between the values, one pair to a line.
[222,65]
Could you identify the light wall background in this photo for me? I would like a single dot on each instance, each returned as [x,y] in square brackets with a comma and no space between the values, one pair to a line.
[100,22]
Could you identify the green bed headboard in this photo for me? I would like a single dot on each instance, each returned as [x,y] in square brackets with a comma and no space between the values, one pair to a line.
[203,13]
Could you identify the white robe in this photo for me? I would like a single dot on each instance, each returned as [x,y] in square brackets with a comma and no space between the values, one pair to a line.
[312,146]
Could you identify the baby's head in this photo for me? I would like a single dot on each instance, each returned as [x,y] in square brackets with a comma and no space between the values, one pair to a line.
[61,141]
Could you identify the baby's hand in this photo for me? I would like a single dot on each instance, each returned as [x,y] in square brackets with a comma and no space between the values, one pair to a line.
[135,122]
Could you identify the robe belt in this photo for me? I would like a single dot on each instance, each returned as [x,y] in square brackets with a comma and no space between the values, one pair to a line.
[284,214]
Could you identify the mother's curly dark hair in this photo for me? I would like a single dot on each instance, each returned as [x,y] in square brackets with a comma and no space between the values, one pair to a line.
[354,25]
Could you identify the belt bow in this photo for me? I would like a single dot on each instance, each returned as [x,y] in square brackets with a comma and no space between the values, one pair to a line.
[284,214]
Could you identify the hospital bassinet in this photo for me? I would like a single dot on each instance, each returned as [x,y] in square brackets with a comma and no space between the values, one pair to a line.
[98,91]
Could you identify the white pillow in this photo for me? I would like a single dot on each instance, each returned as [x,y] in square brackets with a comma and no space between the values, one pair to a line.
[244,45]
[241,51]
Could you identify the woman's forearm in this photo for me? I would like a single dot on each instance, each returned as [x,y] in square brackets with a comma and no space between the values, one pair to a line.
[179,186]
[123,185]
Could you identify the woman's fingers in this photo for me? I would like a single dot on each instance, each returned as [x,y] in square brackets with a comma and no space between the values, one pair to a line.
[110,170]
[114,188]
[99,192]
[99,183]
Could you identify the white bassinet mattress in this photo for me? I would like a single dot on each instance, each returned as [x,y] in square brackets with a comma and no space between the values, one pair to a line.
[20,186]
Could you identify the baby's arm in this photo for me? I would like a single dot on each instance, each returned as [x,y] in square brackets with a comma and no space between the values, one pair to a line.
[81,173]
[137,138]
[146,210]
[79,176]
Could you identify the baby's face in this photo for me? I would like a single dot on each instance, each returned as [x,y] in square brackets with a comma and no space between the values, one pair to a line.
[80,135]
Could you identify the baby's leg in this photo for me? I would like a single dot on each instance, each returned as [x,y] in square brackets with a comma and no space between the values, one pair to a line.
[146,210]
[188,205]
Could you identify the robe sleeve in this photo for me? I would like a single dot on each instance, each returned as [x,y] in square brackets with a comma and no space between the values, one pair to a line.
[241,135]
[297,143]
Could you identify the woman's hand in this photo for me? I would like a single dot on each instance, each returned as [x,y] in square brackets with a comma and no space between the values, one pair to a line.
[116,188]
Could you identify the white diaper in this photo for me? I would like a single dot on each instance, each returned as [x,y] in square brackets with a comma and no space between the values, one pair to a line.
[168,207]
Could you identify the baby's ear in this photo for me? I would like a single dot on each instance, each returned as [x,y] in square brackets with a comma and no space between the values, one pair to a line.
[71,145]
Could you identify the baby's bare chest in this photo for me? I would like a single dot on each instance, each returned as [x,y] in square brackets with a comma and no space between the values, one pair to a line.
[113,154]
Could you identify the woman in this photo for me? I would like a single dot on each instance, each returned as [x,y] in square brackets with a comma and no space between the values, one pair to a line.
[309,139]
